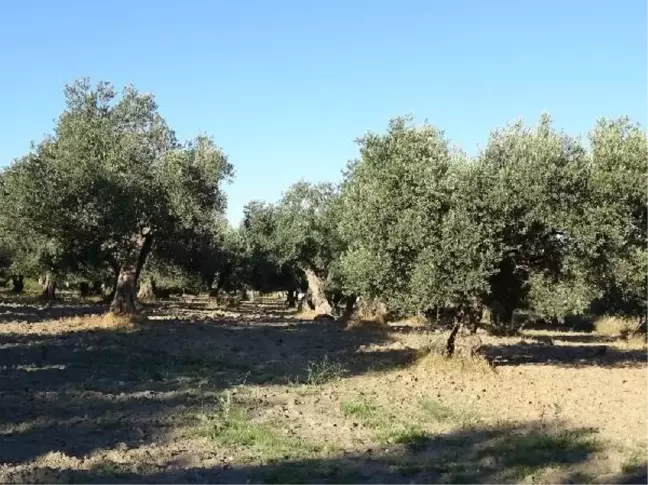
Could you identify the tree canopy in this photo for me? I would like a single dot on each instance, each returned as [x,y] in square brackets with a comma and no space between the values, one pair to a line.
[111,180]
[540,220]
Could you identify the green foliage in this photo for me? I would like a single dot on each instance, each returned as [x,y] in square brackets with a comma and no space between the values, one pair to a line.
[536,221]
[614,231]
[556,299]
[306,232]
[234,426]
[111,170]
[538,186]
[267,269]
[415,239]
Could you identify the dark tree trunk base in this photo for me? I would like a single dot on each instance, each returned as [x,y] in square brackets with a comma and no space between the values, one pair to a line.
[450,344]
[18,283]
[291,299]
[349,308]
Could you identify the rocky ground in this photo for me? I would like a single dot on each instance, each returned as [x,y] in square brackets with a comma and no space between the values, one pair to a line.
[197,394]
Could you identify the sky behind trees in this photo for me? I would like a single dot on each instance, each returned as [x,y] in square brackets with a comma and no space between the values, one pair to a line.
[286,86]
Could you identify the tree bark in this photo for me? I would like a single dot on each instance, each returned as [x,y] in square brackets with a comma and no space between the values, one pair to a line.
[450,343]
[125,296]
[18,283]
[316,289]
[147,290]
[49,286]
[291,298]
[349,308]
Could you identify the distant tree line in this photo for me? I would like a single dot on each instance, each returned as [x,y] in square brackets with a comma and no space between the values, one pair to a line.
[539,220]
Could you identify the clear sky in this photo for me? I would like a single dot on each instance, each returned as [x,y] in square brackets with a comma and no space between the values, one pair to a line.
[286,86]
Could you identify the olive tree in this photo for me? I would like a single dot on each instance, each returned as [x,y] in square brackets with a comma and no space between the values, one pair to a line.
[305,237]
[614,227]
[415,236]
[537,190]
[112,176]
[267,270]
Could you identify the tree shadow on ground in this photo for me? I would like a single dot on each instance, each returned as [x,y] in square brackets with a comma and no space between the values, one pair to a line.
[88,389]
[582,338]
[526,353]
[506,454]
[36,310]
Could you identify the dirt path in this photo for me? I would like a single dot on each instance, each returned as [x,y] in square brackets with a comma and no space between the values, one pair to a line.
[197,394]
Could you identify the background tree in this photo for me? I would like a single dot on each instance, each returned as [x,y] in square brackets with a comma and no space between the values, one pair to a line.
[306,237]
[113,176]
[268,272]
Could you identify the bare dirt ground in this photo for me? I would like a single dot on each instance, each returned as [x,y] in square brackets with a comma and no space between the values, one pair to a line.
[198,394]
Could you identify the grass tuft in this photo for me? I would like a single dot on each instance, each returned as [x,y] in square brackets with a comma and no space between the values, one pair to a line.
[410,435]
[359,408]
[432,359]
[614,326]
[537,449]
[107,321]
[636,458]
[436,410]
[323,371]
[233,427]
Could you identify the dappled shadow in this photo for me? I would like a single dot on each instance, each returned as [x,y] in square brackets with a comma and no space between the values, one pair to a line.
[36,310]
[582,338]
[507,454]
[632,475]
[93,388]
[525,353]
[422,329]
[201,308]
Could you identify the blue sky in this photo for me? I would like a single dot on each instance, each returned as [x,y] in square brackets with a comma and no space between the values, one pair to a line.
[286,86]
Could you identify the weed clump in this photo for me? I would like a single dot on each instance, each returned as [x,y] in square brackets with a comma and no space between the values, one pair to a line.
[619,327]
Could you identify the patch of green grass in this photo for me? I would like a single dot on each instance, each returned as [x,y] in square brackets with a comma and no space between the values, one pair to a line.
[389,429]
[526,454]
[323,371]
[233,427]
[436,410]
[369,414]
[410,435]
[362,409]
[635,458]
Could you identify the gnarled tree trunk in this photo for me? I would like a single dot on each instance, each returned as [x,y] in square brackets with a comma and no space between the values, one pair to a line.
[49,286]
[316,289]
[147,290]
[450,343]
[125,297]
